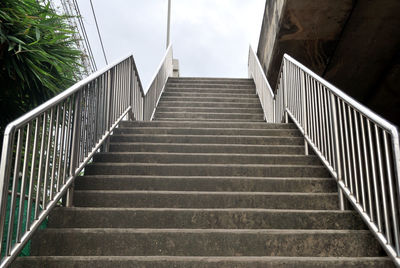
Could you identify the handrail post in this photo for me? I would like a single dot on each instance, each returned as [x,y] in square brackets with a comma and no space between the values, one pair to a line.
[108,106]
[396,160]
[5,169]
[304,110]
[342,198]
[131,116]
[284,91]
[74,146]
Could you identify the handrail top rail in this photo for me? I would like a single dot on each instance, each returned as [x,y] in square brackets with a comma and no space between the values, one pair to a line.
[159,67]
[63,95]
[263,74]
[350,100]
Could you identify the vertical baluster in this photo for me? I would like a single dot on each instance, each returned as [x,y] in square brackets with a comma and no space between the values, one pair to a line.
[348,160]
[354,179]
[5,174]
[25,171]
[56,143]
[15,186]
[62,155]
[304,114]
[40,167]
[393,204]
[383,186]
[47,164]
[32,175]
[321,116]
[315,114]
[332,135]
[68,145]
[342,142]
[367,172]
[374,177]
[326,112]
[338,167]
[359,160]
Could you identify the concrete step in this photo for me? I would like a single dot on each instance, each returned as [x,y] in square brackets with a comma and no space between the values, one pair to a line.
[210,90]
[208,131]
[214,80]
[192,158]
[200,262]
[213,94]
[209,109]
[208,115]
[211,85]
[211,99]
[207,184]
[206,148]
[250,170]
[206,103]
[180,124]
[79,217]
[205,242]
[194,199]
[209,120]
[207,139]
[210,79]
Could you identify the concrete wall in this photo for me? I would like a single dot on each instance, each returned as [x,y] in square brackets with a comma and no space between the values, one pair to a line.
[353,44]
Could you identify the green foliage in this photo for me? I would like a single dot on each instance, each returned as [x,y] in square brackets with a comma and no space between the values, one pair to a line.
[38,58]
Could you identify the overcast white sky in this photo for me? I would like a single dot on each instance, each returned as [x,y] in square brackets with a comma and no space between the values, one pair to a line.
[210,37]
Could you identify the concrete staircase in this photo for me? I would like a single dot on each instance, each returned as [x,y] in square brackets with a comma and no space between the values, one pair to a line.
[206,184]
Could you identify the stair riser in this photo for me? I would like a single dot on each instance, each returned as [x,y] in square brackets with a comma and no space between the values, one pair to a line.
[209,116]
[209,120]
[203,170]
[208,95]
[138,199]
[210,90]
[210,131]
[205,148]
[209,110]
[253,100]
[211,85]
[208,80]
[125,243]
[201,262]
[202,219]
[206,125]
[204,159]
[300,185]
[206,103]
[209,139]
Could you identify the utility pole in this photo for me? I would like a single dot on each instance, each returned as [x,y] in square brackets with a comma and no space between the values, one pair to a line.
[169,21]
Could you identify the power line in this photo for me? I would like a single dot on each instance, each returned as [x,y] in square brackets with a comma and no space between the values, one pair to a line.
[83,43]
[98,31]
[83,30]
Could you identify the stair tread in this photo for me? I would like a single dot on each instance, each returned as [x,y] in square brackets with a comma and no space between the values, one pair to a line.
[205,231]
[236,193]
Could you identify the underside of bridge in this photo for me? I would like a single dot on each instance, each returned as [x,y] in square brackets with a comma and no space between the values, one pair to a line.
[354,44]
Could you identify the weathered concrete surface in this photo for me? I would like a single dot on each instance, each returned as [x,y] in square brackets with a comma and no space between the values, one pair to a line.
[200,262]
[352,44]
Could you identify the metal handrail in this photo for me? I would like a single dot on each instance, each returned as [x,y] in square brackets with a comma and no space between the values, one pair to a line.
[45,149]
[360,149]
[157,85]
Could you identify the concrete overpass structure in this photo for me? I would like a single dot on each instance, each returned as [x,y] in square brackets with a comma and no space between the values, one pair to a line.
[354,44]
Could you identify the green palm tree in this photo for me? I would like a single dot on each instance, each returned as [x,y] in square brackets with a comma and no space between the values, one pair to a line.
[38,57]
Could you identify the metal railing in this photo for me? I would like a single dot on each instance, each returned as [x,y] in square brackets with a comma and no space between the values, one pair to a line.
[157,85]
[359,148]
[44,150]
